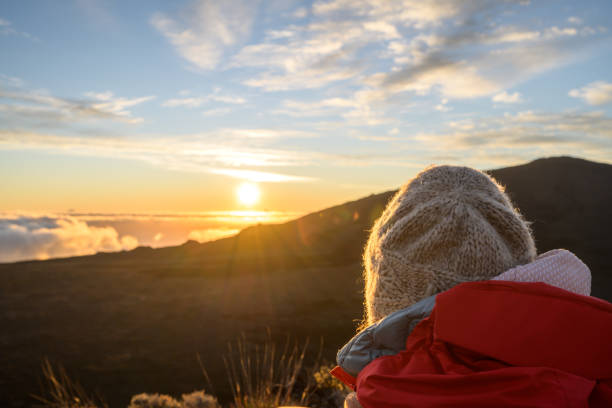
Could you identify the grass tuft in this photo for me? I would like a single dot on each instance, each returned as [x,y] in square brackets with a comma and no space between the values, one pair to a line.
[265,376]
[62,392]
[260,376]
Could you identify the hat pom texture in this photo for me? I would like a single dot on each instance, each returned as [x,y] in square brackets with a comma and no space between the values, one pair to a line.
[446,226]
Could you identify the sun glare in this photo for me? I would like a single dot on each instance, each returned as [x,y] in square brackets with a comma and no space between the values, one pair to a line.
[248,194]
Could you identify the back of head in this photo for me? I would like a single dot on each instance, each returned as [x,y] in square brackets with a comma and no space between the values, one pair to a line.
[446,226]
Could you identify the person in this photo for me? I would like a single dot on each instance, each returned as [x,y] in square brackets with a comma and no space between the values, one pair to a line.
[461,312]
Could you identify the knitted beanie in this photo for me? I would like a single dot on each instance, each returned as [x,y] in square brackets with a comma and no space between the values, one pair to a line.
[446,226]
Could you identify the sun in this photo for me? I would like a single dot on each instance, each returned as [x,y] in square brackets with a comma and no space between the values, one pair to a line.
[248,194]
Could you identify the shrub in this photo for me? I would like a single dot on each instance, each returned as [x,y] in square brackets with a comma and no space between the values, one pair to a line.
[329,391]
[196,399]
[199,399]
[153,401]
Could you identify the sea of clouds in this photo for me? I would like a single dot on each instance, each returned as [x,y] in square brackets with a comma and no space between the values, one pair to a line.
[28,236]
[42,237]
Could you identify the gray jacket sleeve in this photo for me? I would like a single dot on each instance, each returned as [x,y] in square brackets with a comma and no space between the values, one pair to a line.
[387,337]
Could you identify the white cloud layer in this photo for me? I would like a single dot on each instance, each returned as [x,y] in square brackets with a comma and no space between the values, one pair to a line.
[26,237]
[595,93]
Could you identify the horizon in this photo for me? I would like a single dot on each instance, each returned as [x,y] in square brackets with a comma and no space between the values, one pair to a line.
[145,109]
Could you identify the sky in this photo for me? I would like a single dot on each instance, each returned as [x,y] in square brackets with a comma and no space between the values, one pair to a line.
[134,123]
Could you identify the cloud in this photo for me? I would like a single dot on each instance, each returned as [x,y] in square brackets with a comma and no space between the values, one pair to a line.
[211,234]
[313,55]
[190,102]
[458,49]
[238,217]
[454,79]
[410,13]
[336,45]
[225,151]
[443,106]
[595,93]
[505,97]
[202,31]
[216,112]
[24,106]
[23,238]
[363,107]
[259,176]
[525,135]
[264,133]
[300,12]
[6,28]
[115,105]
[196,101]
[148,228]
[11,81]
[460,65]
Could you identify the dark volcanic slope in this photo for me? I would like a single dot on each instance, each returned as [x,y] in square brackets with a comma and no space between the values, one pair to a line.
[133,322]
[569,202]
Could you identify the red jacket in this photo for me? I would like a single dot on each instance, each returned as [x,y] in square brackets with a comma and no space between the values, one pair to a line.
[499,344]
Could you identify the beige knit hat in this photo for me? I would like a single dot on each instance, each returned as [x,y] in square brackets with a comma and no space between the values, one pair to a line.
[446,226]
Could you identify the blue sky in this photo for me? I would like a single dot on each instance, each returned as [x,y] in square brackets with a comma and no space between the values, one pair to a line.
[114,106]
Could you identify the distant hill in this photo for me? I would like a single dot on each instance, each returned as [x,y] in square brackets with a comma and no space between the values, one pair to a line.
[569,202]
[133,322]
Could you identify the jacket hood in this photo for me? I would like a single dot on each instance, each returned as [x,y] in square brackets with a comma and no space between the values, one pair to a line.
[558,268]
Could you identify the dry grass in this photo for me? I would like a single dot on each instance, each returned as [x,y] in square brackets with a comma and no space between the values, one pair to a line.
[260,376]
[268,377]
[63,392]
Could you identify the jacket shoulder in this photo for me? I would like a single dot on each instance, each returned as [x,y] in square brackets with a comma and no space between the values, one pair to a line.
[387,337]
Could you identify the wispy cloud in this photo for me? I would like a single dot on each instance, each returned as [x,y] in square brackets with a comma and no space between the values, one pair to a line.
[363,107]
[202,31]
[24,237]
[216,112]
[470,62]
[223,152]
[259,176]
[505,97]
[525,135]
[322,52]
[24,106]
[367,54]
[595,93]
[197,101]
[108,102]
[7,28]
